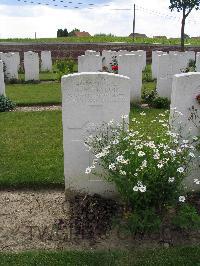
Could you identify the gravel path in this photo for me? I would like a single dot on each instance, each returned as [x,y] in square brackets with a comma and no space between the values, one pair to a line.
[38,108]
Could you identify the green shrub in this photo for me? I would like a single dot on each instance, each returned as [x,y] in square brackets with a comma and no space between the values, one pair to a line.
[64,67]
[149,96]
[142,221]
[148,173]
[153,100]
[191,67]
[6,104]
[147,74]
[187,218]
[160,102]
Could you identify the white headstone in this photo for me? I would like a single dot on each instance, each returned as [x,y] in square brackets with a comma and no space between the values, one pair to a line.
[88,100]
[11,65]
[130,66]
[179,63]
[198,62]
[31,66]
[144,57]
[122,52]
[92,52]
[164,76]
[17,58]
[107,58]
[190,55]
[2,84]
[185,89]
[46,61]
[89,63]
[154,66]
[182,59]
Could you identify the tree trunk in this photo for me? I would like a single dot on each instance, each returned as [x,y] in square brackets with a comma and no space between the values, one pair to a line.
[183,32]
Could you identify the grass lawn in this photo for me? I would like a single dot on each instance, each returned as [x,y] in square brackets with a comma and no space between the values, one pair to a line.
[43,76]
[31,147]
[34,94]
[104,39]
[189,256]
[45,93]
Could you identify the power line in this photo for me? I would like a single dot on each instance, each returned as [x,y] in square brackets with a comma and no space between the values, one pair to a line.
[80,5]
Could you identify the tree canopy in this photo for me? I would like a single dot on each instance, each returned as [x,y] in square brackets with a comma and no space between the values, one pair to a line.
[187,5]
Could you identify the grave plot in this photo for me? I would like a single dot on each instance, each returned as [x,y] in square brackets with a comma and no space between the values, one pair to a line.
[32,145]
[88,100]
[34,94]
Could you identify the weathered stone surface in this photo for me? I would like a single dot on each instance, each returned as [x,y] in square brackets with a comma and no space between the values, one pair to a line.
[31,66]
[89,63]
[107,58]
[164,76]
[46,61]
[154,66]
[130,66]
[92,52]
[2,84]
[88,100]
[11,64]
[185,89]
[198,62]
[17,58]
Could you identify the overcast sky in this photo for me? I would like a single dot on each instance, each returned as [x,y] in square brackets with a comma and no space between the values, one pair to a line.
[19,19]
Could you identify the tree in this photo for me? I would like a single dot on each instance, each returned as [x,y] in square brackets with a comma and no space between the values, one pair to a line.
[62,33]
[71,33]
[59,33]
[185,6]
[65,33]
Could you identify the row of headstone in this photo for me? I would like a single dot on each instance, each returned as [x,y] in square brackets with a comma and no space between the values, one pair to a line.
[106,58]
[31,64]
[90,99]
[166,65]
[179,60]
[130,64]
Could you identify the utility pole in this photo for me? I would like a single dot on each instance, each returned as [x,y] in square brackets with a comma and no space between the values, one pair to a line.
[134,18]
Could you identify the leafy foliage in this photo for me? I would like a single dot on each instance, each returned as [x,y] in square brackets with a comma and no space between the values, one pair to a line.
[148,173]
[160,102]
[152,98]
[62,33]
[6,104]
[188,5]
[64,67]
[191,67]
[187,218]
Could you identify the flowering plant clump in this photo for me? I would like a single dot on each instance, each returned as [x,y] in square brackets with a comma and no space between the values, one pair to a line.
[147,172]
[114,65]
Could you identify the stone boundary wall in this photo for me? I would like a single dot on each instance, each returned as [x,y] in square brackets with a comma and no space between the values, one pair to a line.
[73,50]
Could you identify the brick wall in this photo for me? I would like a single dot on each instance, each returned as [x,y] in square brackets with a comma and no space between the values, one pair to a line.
[65,50]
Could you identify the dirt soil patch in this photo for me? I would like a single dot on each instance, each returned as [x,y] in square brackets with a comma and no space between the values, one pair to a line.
[45,220]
